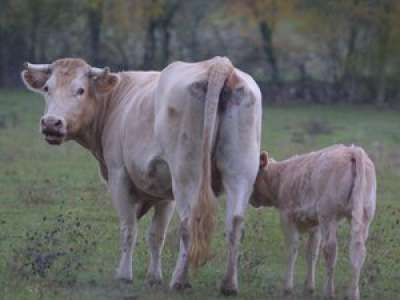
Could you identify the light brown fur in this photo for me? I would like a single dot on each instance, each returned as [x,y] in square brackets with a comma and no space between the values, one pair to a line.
[312,193]
[155,137]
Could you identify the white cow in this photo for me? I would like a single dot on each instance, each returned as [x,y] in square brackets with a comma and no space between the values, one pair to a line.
[160,136]
[312,193]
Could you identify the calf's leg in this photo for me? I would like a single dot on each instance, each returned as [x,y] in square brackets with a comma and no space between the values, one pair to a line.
[312,252]
[292,242]
[329,249]
[163,212]
[359,235]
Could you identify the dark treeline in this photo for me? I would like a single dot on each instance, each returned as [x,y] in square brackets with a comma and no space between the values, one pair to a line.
[298,50]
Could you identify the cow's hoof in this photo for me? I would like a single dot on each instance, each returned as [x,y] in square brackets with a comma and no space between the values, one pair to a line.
[124,276]
[153,281]
[287,291]
[181,286]
[308,291]
[125,280]
[351,296]
[329,297]
[227,289]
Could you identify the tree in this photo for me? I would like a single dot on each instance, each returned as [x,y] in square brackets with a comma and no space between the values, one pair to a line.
[94,13]
[265,14]
[159,15]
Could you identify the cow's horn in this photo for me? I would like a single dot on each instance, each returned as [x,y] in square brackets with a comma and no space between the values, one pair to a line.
[37,67]
[98,71]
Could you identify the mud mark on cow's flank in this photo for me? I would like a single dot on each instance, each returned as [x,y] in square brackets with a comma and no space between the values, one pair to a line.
[231,98]
[172,112]
[198,89]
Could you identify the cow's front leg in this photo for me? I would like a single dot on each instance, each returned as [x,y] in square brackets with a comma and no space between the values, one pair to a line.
[163,212]
[238,192]
[120,187]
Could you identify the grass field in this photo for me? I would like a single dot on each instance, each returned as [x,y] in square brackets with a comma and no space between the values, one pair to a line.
[42,188]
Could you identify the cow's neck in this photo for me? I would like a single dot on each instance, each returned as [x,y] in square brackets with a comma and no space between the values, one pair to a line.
[91,136]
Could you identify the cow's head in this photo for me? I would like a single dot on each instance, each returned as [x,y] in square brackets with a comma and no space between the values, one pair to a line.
[71,88]
[262,195]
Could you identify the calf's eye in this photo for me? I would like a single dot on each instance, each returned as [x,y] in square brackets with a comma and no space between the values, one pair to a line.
[46,89]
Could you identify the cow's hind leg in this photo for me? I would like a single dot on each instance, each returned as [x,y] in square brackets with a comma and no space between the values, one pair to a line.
[120,187]
[359,235]
[163,212]
[238,191]
[183,194]
[329,249]
[312,252]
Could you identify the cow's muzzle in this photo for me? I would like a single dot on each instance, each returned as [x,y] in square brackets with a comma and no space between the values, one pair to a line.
[54,129]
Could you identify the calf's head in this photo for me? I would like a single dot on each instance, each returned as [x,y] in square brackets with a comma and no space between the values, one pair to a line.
[70,88]
[262,194]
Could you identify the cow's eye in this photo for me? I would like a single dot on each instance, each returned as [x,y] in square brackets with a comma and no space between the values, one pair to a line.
[80,91]
[46,89]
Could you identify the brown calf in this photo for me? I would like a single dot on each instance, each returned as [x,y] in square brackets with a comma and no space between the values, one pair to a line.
[313,192]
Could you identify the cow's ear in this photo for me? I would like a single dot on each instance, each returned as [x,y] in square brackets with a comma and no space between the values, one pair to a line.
[263,160]
[35,80]
[105,83]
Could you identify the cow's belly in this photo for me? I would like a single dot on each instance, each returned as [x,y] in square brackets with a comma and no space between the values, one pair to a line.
[152,177]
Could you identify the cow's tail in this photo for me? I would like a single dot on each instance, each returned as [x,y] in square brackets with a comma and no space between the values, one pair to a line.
[203,210]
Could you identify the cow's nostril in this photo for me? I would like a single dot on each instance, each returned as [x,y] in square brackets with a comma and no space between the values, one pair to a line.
[57,123]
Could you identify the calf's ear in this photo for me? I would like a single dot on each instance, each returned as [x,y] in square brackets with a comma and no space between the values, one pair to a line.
[105,83]
[35,80]
[263,159]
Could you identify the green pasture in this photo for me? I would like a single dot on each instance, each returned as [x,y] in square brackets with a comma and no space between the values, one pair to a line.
[38,183]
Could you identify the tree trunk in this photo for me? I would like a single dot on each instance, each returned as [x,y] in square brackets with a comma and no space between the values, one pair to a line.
[266,34]
[165,43]
[150,46]
[42,47]
[383,44]
[33,36]
[348,81]
[2,58]
[94,18]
